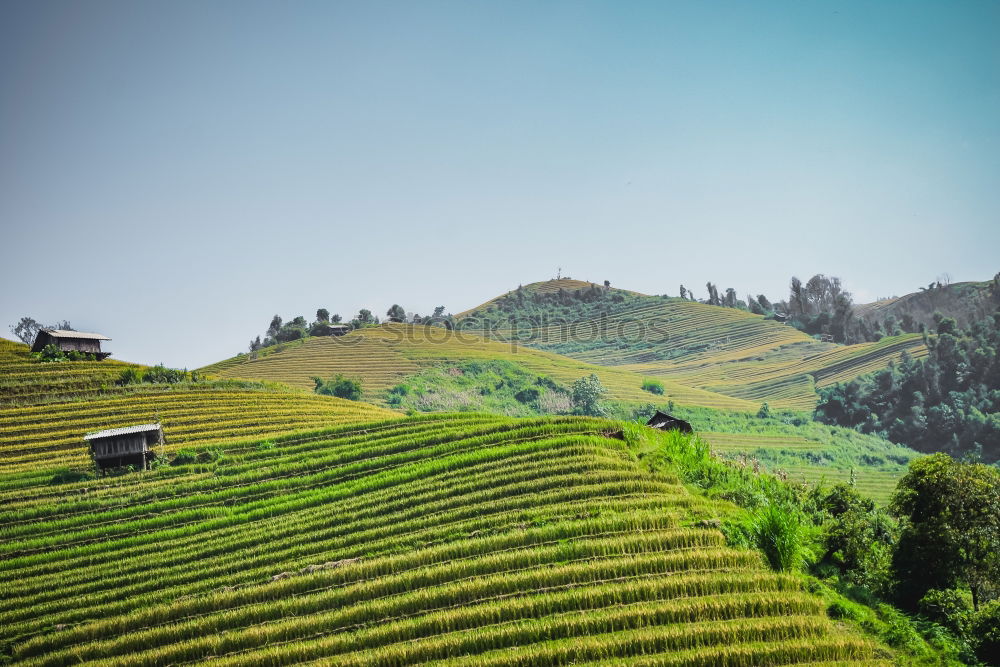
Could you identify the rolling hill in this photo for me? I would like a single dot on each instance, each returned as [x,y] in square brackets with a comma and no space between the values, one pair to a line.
[724,351]
[382,356]
[965,302]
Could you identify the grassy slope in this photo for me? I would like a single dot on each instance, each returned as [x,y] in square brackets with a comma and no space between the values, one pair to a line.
[74,398]
[721,350]
[466,538]
[382,356]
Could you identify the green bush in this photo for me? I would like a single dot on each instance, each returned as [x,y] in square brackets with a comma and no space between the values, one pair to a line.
[951,608]
[184,457]
[782,537]
[765,411]
[653,387]
[340,387]
[70,475]
[986,631]
[528,395]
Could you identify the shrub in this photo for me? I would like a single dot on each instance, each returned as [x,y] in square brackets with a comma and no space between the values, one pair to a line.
[765,411]
[340,387]
[50,352]
[184,457]
[587,393]
[69,475]
[951,608]
[129,376]
[653,387]
[782,537]
[208,456]
[528,395]
[986,630]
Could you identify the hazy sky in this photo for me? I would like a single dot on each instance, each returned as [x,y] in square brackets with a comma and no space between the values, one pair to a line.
[174,173]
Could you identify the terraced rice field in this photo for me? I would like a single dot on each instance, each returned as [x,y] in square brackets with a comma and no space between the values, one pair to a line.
[24,381]
[878,484]
[38,437]
[455,539]
[723,351]
[382,356]
[787,379]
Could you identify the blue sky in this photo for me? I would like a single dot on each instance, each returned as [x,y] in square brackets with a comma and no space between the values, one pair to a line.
[174,173]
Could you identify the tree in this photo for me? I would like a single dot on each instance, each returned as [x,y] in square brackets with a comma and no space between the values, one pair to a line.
[586,393]
[439,312]
[607,283]
[396,313]
[796,297]
[322,315]
[335,318]
[274,327]
[684,293]
[951,530]
[27,329]
[364,317]
[338,386]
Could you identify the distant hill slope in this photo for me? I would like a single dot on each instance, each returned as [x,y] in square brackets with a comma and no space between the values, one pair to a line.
[472,539]
[382,356]
[722,350]
[966,303]
[36,439]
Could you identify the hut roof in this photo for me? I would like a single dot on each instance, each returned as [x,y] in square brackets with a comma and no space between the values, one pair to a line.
[65,333]
[665,422]
[338,326]
[125,430]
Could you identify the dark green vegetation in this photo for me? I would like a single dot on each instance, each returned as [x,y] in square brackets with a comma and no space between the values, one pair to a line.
[499,387]
[339,386]
[949,401]
[935,552]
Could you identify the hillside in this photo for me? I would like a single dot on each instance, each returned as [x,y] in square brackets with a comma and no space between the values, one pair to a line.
[724,351]
[465,539]
[382,356]
[74,398]
[966,303]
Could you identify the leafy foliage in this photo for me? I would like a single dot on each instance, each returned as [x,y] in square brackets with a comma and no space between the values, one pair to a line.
[497,386]
[951,530]
[339,386]
[948,402]
[53,352]
[587,393]
[653,386]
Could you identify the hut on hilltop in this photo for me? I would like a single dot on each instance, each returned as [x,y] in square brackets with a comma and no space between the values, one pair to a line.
[71,341]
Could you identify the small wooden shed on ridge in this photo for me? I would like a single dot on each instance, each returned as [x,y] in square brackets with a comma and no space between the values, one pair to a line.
[79,341]
[665,422]
[339,329]
[130,445]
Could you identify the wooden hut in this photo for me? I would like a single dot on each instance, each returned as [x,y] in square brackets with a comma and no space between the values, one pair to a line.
[665,422]
[130,445]
[67,341]
[339,329]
